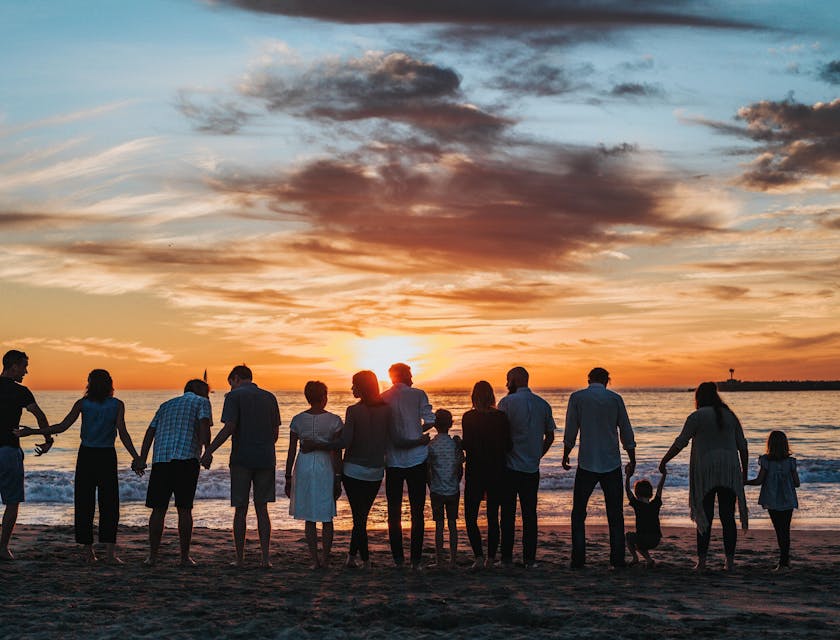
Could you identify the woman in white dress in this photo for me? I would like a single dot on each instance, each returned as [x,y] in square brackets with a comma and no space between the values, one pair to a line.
[312,477]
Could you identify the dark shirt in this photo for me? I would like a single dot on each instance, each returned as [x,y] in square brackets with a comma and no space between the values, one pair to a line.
[14,398]
[365,434]
[486,441]
[257,419]
[647,516]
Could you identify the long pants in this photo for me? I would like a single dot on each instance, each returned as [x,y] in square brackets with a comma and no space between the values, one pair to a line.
[525,486]
[476,486]
[585,482]
[415,478]
[781,523]
[96,480]
[360,495]
[726,512]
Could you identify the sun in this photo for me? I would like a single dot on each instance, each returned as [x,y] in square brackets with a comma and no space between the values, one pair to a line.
[379,353]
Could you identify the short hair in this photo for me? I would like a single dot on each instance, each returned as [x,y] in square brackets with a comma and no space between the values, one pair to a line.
[399,371]
[483,397]
[643,489]
[100,385]
[518,375]
[12,357]
[315,392]
[240,371]
[599,374]
[198,387]
[443,419]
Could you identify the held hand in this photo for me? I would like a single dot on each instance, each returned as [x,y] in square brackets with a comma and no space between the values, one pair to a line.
[307,446]
[425,439]
[206,460]
[22,432]
[630,469]
[566,464]
[138,466]
[663,468]
[44,447]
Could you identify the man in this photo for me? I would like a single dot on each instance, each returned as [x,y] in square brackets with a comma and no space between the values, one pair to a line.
[251,418]
[14,398]
[179,430]
[601,419]
[532,432]
[405,461]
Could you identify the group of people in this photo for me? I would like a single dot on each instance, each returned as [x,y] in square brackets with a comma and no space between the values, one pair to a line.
[384,435]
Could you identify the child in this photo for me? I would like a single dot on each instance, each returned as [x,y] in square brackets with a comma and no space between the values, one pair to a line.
[103,417]
[446,459]
[312,486]
[648,533]
[778,479]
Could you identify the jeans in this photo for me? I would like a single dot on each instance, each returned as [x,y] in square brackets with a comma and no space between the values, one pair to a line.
[781,523]
[415,478]
[726,512]
[476,486]
[96,478]
[585,482]
[360,495]
[524,485]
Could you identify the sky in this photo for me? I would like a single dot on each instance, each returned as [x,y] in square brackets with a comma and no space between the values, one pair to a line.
[313,188]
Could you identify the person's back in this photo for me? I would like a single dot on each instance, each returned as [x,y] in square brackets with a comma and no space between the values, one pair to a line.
[530,421]
[410,409]
[707,435]
[257,419]
[598,416]
[486,440]
[99,422]
[366,434]
[444,465]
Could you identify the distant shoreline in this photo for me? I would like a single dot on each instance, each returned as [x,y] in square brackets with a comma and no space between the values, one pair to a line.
[779,385]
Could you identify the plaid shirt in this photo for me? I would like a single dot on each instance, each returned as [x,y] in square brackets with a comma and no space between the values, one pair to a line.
[176,427]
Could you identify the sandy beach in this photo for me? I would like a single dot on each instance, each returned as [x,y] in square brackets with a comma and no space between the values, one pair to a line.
[49,592]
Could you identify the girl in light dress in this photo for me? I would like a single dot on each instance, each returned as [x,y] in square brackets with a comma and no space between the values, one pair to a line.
[313,477]
[778,479]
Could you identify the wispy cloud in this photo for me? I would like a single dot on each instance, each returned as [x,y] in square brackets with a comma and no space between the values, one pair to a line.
[65,118]
[101,348]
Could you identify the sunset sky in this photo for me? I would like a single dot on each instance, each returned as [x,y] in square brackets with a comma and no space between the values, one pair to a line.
[314,187]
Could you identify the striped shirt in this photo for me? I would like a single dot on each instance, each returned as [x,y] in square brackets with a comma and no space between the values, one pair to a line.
[176,427]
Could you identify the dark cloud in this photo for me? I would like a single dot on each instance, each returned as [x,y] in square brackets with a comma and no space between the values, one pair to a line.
[213,115]
[636,90]
[525,13]
[646,63]
[781,341]
[542,79]
[726,292]
[830,72]
[13,219]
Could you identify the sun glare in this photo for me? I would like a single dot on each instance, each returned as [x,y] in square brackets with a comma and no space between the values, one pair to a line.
[379,353]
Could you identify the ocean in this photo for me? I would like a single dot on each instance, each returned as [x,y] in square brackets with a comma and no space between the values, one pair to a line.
[811,420]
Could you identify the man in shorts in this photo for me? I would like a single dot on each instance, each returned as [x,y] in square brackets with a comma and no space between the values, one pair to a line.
[14,398]
[179,430]
[251,418]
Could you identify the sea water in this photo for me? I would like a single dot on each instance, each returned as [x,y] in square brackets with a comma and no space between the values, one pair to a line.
[811,420]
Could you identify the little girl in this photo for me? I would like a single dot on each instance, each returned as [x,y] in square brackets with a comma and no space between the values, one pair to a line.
[778,479]
[103,417]
[312,486]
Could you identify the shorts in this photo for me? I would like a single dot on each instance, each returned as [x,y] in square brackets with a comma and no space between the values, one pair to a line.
[439,503]
[241,479]
[176,476]
[11,475]
[643,541]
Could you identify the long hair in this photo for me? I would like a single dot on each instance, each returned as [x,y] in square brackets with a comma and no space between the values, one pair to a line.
[367,386]
[483,397]
[777,446]
[707,395]
[100,386]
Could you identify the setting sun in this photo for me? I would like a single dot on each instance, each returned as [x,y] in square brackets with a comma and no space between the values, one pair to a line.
[377,354]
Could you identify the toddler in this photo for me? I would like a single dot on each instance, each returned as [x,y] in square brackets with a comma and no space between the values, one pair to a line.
[648,532]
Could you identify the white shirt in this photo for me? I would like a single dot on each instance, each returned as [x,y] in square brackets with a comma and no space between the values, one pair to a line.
[530,420]
[412,410]
[601,418]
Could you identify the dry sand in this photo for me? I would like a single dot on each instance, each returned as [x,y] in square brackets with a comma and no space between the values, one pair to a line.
[49,593]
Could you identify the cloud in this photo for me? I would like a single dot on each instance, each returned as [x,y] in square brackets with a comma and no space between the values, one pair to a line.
[16,219]
[542,79]
[830,72]
[792,343]
[102,348]
[726,292]
[214,115]
[636,90]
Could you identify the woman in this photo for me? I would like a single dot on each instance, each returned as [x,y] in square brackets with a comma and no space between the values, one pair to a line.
[103,417]
[717,468]
[486,440]
[366,428]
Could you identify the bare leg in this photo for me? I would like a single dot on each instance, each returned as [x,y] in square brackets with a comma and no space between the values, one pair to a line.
[648,560]
[701,563]
[453,541]
[312,543]
[88,554]
[239,523]
[111,553]
[327,540]
[185,529]
[156,520]
[9,519]
[264,528]
[631,547]
[438,543]
[729,564]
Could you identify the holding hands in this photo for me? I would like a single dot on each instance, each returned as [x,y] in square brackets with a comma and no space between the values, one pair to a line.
[138,466]
[40,449]
[206,459]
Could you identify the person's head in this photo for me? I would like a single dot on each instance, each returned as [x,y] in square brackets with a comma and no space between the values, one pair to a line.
[483,397]
[198,387]
[239,375]
[443,421]
[706,395]
[400,372]
[366,387]
[777,446]
[643,489]
[99,385]
[517,378]
[15,365]
[315,393]
[599,375]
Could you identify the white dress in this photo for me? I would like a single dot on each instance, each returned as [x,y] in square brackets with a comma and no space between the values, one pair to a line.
[312,479]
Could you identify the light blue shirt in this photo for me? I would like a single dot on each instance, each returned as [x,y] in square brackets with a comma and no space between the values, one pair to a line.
[412,410]
[530,419]
[599,415]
